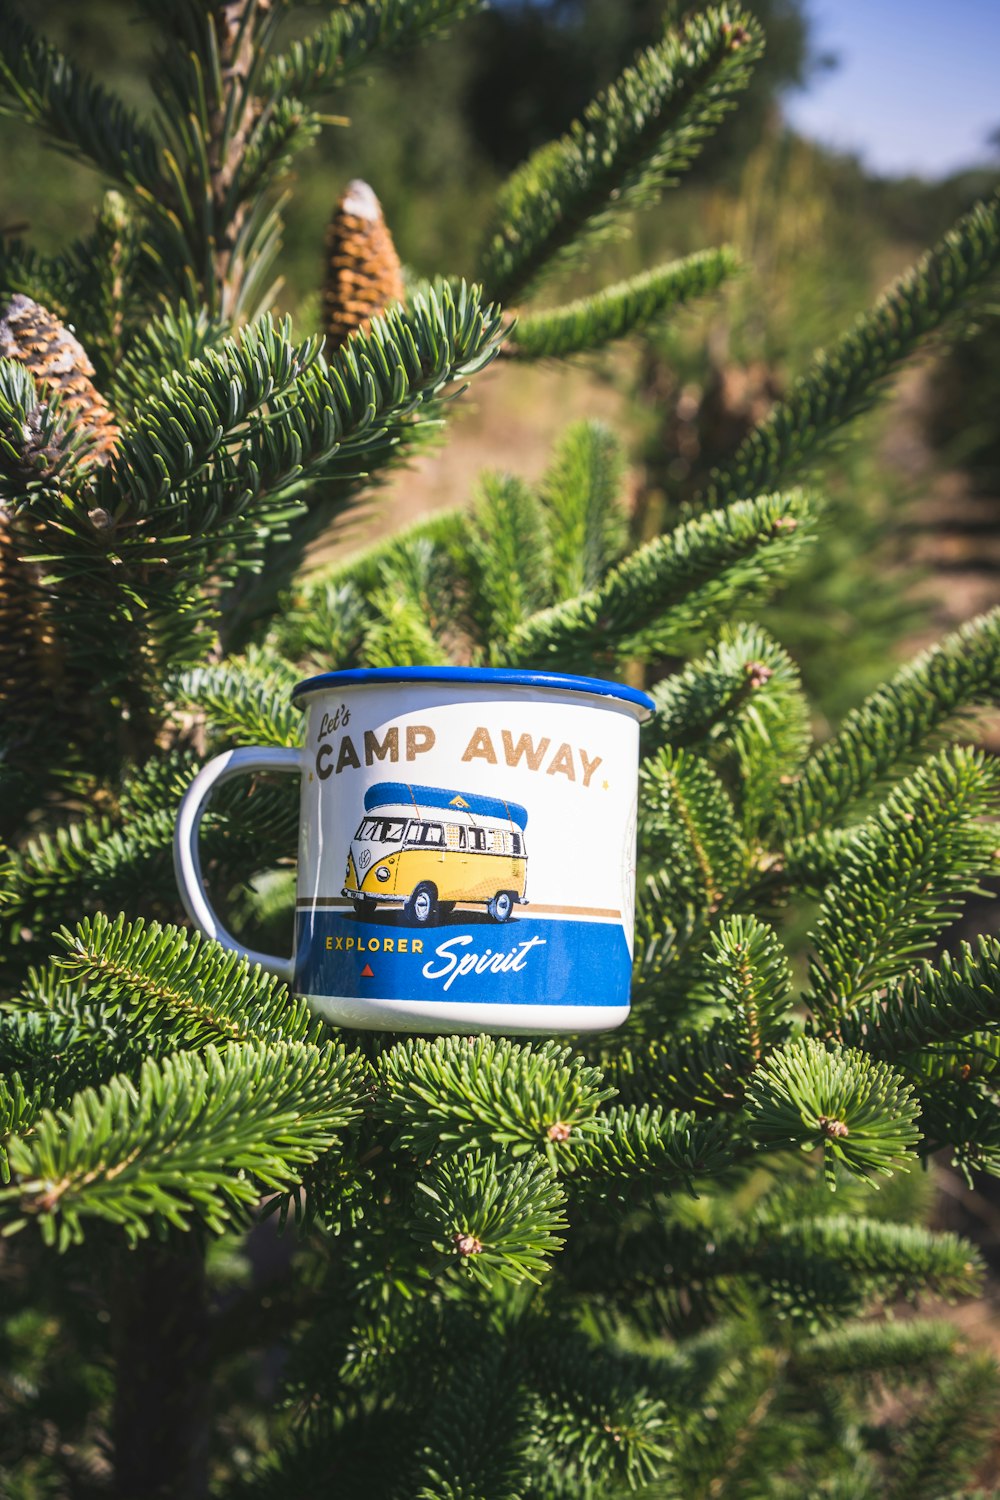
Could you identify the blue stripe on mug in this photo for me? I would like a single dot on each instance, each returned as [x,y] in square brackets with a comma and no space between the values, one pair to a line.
[532,960]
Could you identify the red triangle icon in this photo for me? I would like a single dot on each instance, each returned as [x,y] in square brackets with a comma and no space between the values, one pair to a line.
[367,972]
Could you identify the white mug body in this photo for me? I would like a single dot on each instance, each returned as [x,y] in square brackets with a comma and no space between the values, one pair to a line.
[467,850]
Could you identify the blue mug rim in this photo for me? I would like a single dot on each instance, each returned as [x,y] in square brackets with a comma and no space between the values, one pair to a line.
[501,676]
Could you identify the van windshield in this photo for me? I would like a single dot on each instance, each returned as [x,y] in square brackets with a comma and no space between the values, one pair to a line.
[382,830]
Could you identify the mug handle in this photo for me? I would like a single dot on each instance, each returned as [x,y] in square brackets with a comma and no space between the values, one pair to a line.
[187,864]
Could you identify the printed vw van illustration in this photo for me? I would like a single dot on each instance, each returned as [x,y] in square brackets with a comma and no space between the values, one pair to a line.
[427,847]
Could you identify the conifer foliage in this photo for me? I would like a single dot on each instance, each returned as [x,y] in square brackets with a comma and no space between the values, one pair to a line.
[512,1270]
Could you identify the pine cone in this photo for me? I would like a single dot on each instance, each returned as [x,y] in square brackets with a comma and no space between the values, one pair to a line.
[35,338]
[363,272]
[26,643]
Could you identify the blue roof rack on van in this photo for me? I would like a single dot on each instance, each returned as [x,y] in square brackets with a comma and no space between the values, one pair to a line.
[386,793]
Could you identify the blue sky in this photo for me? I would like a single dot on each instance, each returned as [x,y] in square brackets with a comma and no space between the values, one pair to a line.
[917,88]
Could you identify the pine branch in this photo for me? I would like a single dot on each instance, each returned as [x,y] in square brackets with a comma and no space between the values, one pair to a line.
[892,726]
[960,1112]
[356,33]
[195,1139]
[478,1441]
[19,1108]
[455,1096]
[949,1435]
[747,971]
[398,635]
[631,142]
[492,1221]
[930,1005]
[874,1258]
[735,1431]
[508,557]
[55,876]
[161,979]
[581,501]
[906,1351]
[58,1044]
[845,381]
[214,464]
[703,1071]
[743,706]
[52,280]
[691,836]
[668,960]
[244,701]
[665,1149]
[591,323]
[600,1428]
[903,877]
[662,594]
[813,1271]
[173,340]
[40,85]
[857,1109]
[814,862]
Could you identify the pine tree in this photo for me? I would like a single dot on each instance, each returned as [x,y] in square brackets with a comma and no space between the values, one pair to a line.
[510,1269]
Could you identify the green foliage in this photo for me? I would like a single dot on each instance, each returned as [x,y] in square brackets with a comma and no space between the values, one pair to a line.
[949,1436]
[632,142]
[492,1221]
[160,978]
[845,380]
[871,1349]
[249,703]
[41,456]
[742,706]
[590,323]
[959,998]
[662,595]
[579,494]
[507,551]
[889,730]
[193,1139]
[749,974]
[352,34]
[904,877]
[691,833]
[42,86]
[857,1109]
[455,1096]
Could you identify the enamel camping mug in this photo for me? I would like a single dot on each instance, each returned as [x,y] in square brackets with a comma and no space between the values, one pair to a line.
[466,850]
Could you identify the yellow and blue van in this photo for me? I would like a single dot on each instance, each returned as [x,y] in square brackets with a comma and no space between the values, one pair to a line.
[428,847]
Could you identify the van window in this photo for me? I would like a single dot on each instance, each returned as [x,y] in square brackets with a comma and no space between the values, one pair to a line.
[454,836]
[517,842]
[382,830]
[477,839]
[499,841]
[425,833]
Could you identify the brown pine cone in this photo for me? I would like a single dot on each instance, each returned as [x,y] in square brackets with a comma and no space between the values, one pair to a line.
[34,337]
[363,272]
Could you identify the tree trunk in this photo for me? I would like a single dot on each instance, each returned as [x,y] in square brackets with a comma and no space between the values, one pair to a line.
[160,1340]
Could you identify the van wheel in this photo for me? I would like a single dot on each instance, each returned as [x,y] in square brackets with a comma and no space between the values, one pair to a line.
[422,905]
[501,906]
[365,907]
